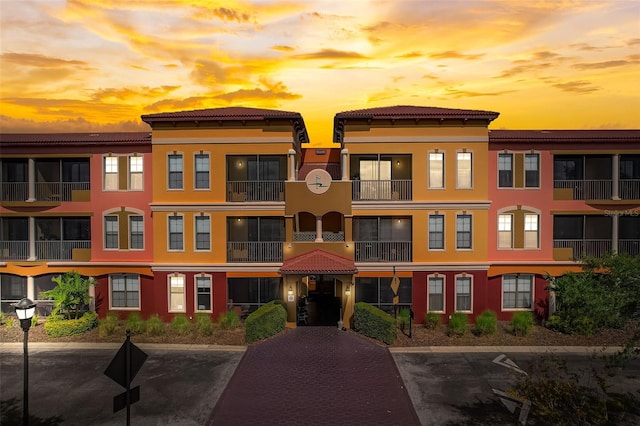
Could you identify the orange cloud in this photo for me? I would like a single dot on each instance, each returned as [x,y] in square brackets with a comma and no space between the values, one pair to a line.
[330,54]
[580,87]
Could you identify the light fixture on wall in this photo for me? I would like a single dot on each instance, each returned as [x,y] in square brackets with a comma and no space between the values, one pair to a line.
[348,290]
[398,163]
[290,292]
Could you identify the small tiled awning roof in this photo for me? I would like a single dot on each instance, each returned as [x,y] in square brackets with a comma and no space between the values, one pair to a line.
[318,262]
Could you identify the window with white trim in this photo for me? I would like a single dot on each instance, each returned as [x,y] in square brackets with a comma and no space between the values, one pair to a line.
[135,173]
[436,170]
[463,231]
[202,171]
[436,293]
[124,290]
[175,171]
[203,232]
[176,233]
[203,293]
[110,173]
[532,170]
[517,291]
[464,171]
[531,236]
[436,232]
[136,232]
[463,293]
[176,293]
[505,231]
[111,237]
[505,170]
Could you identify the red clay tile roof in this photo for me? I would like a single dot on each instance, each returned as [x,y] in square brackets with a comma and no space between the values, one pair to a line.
[71,139]
[417,112]
[579,136]
[225,114]
[318,261]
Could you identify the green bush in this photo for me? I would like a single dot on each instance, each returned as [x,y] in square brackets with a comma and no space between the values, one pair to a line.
[432,320]
[404,318]
[268,320]
[486,323]
[155,326]
[374,323]
[9,321]
[281,303]
[181,325]
[457,324]
[203,325]
[522,323]
[34,320]
[229,320]
[109,324]
[57,326]
[135,323]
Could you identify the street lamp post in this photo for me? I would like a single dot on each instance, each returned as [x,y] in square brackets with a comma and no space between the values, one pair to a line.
[25,310]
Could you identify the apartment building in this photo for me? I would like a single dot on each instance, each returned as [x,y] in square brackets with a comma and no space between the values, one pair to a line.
[219,209]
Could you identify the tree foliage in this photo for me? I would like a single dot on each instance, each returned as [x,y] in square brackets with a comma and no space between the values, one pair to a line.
[70,294]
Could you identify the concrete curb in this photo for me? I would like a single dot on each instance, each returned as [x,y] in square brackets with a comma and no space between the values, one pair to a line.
[587,350]
[35,346]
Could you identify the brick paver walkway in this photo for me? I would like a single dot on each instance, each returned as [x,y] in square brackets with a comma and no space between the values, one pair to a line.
[315,376]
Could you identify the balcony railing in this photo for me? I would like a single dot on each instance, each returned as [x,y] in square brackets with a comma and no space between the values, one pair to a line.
[45,191]
[383,251]
[630,247]
[581,248]
[264,190]
[59,250]
[587,189]
[14,250]
[311,236]
[629,189]
[373,190]
[14,191]
[246,251]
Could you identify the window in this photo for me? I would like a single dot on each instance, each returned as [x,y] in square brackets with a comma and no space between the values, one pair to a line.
[517,291]
[436,232]
[125,290]
[176,233]
[176,293]
[377,291]
[464,170]
[202,171]
[505,170]
[463,294]
[203,233]
[463,231]
[111,173]
[135,173]
[136,232]
[175,171]
[531,231]
[436,294]
[111,239]
[436,170]
[203,293]
[250,293]
[505,231]
[531,170]
[567,167]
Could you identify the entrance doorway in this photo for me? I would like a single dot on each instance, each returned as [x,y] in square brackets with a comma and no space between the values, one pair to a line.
[321,302]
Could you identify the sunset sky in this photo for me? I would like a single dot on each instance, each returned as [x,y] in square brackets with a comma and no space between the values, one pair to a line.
[93,66]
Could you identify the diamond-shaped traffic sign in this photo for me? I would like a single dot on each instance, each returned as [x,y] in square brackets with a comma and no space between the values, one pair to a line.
[117,370]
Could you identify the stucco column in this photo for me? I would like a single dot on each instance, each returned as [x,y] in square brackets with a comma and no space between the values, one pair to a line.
[292,165]
[31,288]
[345,165]
[32,180]
[614,233]
[319,229]
[615,181]
[32,238]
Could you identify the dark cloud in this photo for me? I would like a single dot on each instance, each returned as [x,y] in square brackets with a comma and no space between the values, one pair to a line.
[600,65]
[79,124]
[578,86]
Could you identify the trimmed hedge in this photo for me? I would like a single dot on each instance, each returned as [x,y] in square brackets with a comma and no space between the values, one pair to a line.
[374,322]
[57,326]
[268,320]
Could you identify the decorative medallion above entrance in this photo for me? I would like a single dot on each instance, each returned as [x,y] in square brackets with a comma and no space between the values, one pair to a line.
[318,181]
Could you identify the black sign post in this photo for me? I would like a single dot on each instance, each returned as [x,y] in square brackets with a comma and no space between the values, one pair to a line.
[122,369]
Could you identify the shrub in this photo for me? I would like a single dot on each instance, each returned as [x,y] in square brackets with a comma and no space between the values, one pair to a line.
[228,320]
[486,323]
[108,325]
[1,317]
[155,326]
[34,320]
[135,323]
[457,324]
[181,325]
[268,320]
[57,326]
[432,320]
[522,323]
[374,322]
[404,317]
[204,325]
[9,321]
[70,295]
[281,303]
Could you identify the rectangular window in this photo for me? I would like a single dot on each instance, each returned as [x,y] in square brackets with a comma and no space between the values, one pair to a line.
[175,171]
[436,170]
[203,293]
[111,173]
[532,170]
[202,171]
[463,231]
[463,294]
[436,232]
[135,173]
[111,232]
[176,232]
[436,294]
[505,170]
[125,291]
[505,231]
[203,233]
[531,239]
[176,293]
[464,170]
[136,232]
[517,291]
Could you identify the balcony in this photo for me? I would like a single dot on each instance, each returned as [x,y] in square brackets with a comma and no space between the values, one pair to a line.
[311,236]
[14,250]
[582,248]
[59,250]
[383,251]
[254,252]
[587,189]
[45,191]
[629,189]
[248,191]
[381,190]
[630,247]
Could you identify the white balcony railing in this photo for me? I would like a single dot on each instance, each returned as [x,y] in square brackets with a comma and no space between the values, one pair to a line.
[582,248]
[587,189]
[59,250]
[14,250]
[383,251]
[373,190]
[630,247]
[14,191]
[629,189]
[265,190]
[246,251]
